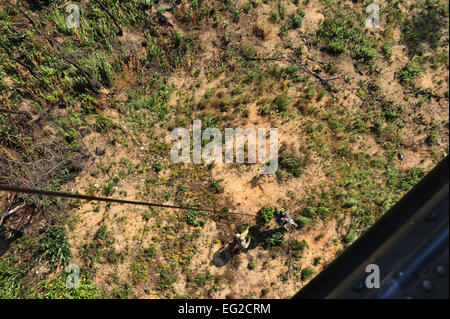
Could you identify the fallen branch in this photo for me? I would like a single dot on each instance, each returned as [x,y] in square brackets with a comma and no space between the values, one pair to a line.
[12,211]
[26,113]
[29,68]
[325,81]
[262,58]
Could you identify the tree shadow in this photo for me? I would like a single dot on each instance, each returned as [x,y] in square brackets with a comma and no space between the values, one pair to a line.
[6,237]
[4,246]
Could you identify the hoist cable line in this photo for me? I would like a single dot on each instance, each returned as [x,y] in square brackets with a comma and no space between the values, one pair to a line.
[15,189]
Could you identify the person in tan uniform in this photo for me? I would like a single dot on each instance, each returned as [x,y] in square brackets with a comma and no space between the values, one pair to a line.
[242,240]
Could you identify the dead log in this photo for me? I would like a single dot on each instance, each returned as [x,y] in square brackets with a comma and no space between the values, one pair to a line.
[10,212]
[26,113]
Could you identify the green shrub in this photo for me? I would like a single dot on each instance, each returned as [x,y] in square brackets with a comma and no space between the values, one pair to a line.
[274,16]
[350,202]
[281,103]
[292,164]
[310,211]
[366,52]
[432,134]
[139,272]
[336,35]
[387,50]
[276,238]
[203,279]
[56,288]
[391,110]
[300,245]
[267,213]
[252,265]
[247,6]
[102,232]
[351,235]
[224,213]
[317,261]
[191,217]
[108,189]
[11,277]
[54,246]
[216,187]
[102,122]
[296,19]
[409,72]
[411,178]
[150,252]
[166,279]
[302,221]
[307,273]
[158,167]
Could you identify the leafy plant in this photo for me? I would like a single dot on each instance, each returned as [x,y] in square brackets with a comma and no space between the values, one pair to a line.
[191,217]
[54,246]
[351,235]
[10,279]
[307,273]
[281,103]
[267,213]
[252,265]
[302,221]
[410,71]
[273,239]
[300,245]
[56,288]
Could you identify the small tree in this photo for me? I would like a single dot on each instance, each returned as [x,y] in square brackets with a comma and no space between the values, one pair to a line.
[307,273]
[267,213]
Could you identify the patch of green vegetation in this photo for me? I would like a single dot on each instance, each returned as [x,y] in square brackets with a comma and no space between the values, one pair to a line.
[273,239]
[300,245]
[387,50]
[351,235]
[267,213]
[252,265]
[302,221]
[191,217]
[139,272]
[281,103]
[317,261]
[56,288]
[425,26]
[409,72]
[292,163]
[202,280]
[11,278]
[336,33]
[307,273]
[166,279]
[411,178]
[54,246]
[366,52]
